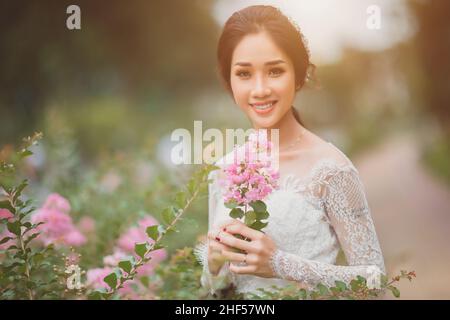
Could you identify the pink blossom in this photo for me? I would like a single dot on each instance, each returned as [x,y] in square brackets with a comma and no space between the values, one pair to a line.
[250,180]
[56,202]
[86,224]
[75,238]
[58,227]
[6,214]
[95,277]
[95,281]
[138,234]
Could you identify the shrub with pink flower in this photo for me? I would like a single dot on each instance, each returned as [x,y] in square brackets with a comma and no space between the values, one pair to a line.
[138,234]
[249,181]
[133,289]
[57,227]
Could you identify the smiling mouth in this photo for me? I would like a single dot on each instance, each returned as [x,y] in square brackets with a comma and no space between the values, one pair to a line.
[263,108]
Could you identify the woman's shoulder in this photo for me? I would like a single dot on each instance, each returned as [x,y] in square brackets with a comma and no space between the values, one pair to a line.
[328,156]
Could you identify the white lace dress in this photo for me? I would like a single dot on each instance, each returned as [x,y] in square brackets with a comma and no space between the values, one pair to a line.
[311,218]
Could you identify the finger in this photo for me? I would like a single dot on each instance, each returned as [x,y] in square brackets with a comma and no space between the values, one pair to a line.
[240,228]
[214,234]
[232,241]
[217,246]
[242,269]
[234,256]
[226,223]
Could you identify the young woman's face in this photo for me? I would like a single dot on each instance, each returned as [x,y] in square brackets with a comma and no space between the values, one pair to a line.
[262,80]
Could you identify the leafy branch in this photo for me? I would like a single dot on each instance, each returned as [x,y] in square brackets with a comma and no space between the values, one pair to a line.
[356,290]
[16,272]
[171,215]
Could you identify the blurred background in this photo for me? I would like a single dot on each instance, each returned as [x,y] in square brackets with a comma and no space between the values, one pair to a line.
[108,96]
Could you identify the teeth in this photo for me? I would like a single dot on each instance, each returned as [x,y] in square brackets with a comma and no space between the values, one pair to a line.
[263,107]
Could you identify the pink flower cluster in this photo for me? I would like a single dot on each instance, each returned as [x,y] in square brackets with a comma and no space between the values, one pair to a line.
[58,227]
[252,179]
[125,248]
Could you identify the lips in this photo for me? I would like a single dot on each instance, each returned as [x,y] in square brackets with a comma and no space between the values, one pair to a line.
[263,107]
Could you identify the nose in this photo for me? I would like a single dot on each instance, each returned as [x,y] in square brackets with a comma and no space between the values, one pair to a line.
[260,89]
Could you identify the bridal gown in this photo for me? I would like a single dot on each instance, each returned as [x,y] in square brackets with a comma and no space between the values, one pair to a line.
[319,208]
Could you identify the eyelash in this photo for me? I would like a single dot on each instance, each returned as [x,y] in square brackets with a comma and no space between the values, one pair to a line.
[279,72]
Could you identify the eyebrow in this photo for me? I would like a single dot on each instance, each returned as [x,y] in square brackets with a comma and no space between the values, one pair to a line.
[269,63]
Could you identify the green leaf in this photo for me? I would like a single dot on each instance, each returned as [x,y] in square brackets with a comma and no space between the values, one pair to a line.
[323,290]
[30,238]
[19,190]
[341,285]
[395,291]
[125,265]
[258,206]
[6,239]
[354,285]
[140,249]
[168,215]
[231,204]
[157,247]
[192,185]
[258,225]
[250,217]
[153,232]
[262,215]
[96,295]
[236,213]
[14,227]
[180,199]
[111,280]
[5,204]
[25,153]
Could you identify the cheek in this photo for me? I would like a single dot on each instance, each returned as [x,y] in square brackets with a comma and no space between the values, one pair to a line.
[240,93]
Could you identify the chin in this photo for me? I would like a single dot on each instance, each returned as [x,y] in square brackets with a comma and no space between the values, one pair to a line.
[264,123]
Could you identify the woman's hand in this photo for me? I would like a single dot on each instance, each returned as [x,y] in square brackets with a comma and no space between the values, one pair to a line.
[215,257]
[257,252]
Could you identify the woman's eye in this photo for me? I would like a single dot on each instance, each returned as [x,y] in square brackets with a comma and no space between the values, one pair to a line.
[243,74]
[276,72]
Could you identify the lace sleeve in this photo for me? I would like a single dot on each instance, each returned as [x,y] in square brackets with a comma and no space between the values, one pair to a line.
[348,212]
[223,278]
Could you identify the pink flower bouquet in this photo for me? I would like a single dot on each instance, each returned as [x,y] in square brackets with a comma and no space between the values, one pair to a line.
[249,181]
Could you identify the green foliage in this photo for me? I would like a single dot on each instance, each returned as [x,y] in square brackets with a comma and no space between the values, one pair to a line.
[196,185]
[25,270]
[180,277]
[357,290]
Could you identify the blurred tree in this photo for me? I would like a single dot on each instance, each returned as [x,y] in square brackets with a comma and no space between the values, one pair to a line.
[433,42]
[134,48]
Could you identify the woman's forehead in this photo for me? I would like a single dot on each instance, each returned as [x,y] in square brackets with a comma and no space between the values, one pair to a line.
[257,49]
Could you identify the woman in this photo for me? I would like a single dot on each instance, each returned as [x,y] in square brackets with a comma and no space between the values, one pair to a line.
[320,206]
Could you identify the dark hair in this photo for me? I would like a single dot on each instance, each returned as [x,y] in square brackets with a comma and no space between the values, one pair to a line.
[284,33]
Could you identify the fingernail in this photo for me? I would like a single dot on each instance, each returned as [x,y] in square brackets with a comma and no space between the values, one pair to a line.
[217,238]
